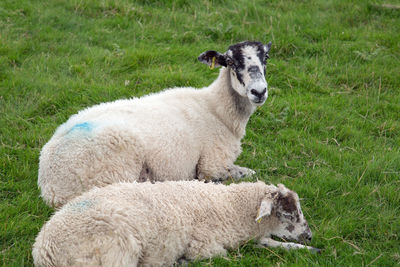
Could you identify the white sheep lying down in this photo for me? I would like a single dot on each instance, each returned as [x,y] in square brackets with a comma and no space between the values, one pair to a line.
[129,224]
[178,134]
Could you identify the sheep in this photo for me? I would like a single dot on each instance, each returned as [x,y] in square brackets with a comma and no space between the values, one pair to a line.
[178,134]
[130,224]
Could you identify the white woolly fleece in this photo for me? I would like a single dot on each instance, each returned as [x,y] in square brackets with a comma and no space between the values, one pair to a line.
[129,224]
[178,134]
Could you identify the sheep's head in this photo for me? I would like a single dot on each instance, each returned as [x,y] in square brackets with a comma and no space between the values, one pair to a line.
[283,206]
[246,62]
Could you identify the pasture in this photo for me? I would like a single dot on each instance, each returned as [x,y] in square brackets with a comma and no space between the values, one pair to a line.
[330,128]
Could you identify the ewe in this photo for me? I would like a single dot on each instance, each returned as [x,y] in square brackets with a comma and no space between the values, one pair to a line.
[178,134]
[130,224]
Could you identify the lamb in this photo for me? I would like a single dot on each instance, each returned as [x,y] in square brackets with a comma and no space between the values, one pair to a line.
[130,224]
[178,134]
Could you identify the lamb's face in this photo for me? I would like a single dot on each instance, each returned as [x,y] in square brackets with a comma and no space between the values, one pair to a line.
[292,224]
[283,206]
[246,62]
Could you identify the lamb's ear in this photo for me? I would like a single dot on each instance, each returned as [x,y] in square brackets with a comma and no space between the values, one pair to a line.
[265,208]
[213,58]
[283,189]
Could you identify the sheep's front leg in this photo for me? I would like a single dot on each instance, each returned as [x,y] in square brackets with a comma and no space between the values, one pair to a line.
[269,242]
[232,172]
[237,172]
[217,164]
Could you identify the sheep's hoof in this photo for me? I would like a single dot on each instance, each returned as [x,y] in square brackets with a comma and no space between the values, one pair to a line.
[315,250]
[181,262]
[250,172]
[218,180]
[240,172]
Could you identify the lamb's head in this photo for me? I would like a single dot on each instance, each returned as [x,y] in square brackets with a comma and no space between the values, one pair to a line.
[246,62]
[286,218]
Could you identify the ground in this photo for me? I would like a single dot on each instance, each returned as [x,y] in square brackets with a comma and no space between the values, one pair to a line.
[329,130]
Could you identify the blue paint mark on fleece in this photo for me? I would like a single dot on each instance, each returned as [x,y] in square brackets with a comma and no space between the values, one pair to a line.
[81,205]
[85,126]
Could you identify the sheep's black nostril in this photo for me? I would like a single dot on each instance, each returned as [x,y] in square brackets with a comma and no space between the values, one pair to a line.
[264,91]
[256,93]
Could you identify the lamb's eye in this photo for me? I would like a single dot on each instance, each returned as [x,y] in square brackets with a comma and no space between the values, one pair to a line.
[289,217]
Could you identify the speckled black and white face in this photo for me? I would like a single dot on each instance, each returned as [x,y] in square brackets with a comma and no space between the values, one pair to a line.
[292,224]
[283,206]
[246,62]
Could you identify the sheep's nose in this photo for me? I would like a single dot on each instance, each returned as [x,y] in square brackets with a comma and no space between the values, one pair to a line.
[258,94]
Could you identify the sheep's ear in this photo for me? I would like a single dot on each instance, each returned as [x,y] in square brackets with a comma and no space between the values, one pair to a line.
[283,189]
[267,47]
[213,59]
[265,208]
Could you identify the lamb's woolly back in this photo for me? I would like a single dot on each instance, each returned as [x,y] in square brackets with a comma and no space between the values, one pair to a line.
[157,224]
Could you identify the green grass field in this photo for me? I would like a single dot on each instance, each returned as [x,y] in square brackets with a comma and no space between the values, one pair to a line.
[329,130]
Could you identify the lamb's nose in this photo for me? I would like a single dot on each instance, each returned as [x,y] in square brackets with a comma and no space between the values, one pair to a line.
[305,236]
[257,94]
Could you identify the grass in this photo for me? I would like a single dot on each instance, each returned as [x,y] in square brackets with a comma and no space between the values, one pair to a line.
[330,128]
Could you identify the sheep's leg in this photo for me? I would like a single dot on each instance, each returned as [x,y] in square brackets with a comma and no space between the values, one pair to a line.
[233,172]
[237,172]
[218,165]
[269,242]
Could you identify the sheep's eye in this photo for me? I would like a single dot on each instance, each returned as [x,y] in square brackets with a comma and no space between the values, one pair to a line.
[229,62]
